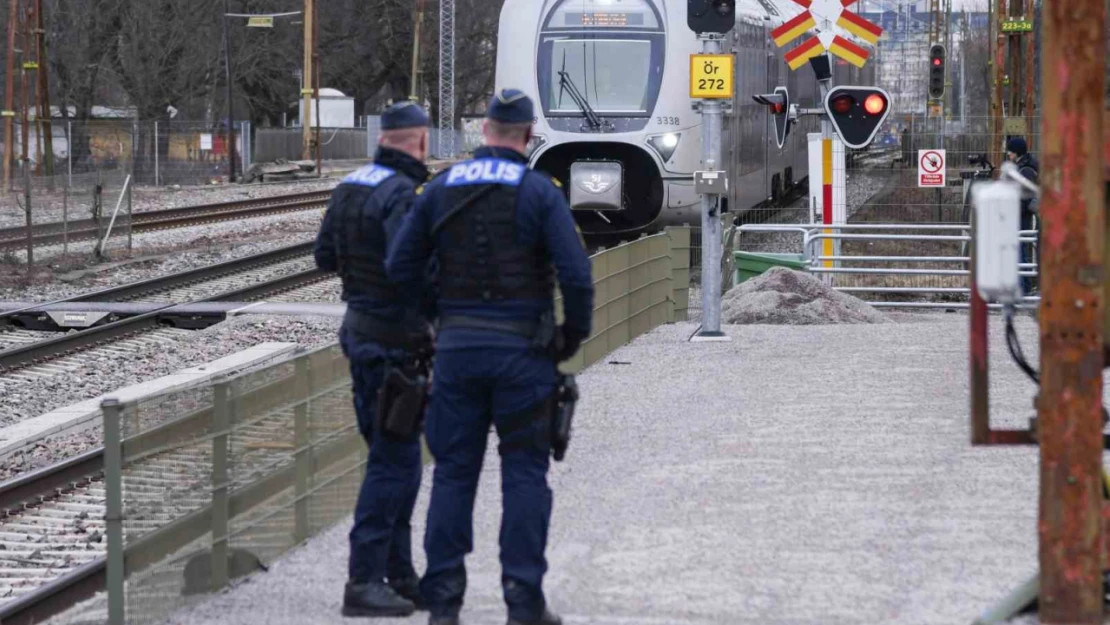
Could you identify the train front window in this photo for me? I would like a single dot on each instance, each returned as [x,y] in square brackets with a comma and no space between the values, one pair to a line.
[612,51]
[613,75]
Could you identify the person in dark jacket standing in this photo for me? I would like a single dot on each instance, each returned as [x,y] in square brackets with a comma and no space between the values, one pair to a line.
[1017,151]
[380,328]
[497,229]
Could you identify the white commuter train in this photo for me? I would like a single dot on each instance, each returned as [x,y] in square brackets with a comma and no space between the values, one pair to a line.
[614,119]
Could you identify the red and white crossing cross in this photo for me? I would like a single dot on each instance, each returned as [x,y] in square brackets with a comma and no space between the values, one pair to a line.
[831,12]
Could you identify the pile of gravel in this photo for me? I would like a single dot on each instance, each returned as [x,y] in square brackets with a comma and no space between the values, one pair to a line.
[782,296]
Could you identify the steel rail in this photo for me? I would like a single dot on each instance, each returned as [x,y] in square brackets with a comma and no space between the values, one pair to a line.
[150,221]
[17,358]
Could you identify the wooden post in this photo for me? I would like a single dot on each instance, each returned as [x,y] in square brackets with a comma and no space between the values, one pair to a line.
[1070,407]
[8,111]
[306,89]
[46,123]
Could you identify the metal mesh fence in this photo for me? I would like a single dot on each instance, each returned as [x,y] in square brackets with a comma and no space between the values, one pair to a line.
[155,153]
[218,479]
[904,264]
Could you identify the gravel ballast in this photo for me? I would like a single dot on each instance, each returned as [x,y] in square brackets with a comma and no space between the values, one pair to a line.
[786,297]
[162,253]
[64,389]
[799,475]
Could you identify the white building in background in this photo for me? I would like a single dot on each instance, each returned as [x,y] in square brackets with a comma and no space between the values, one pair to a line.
[336,110]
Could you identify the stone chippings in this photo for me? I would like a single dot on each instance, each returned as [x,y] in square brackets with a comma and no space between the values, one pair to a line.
[783,296]
[108,374]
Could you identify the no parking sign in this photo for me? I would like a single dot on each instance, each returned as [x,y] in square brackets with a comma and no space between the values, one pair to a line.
[931,168]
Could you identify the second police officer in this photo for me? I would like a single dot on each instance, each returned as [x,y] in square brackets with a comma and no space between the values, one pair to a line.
[379,331]
[497,230]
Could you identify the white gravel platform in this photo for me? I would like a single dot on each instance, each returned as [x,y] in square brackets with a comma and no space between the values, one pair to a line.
[798,475]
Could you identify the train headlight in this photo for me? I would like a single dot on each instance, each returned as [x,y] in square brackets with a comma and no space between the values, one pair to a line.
[665,145]
[537,142]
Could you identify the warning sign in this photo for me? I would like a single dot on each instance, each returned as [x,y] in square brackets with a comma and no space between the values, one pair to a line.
[711,76]
[931,168]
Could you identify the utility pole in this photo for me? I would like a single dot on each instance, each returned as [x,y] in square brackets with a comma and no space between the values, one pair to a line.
[46,124]
[25,91]
[8,112]
[998,65]
[447,79]
[316,83]
[1069,415]
[306,89]
[230,95]
[414,89]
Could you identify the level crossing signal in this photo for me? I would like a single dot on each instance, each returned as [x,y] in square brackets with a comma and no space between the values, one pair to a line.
[711,16]
[779,103]
[856,113]
[937,71]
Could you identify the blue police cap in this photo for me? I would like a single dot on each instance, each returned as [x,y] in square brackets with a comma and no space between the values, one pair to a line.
[511,106]
[1018,146]
[406,114]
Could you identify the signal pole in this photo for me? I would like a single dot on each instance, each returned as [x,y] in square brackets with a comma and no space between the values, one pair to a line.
[711,243]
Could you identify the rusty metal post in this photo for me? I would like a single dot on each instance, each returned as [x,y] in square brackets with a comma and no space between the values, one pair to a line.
[1070,408]
[980,347]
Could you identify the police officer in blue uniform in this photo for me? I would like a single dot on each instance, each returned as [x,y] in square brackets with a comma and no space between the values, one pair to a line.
[380,329]
[500,233]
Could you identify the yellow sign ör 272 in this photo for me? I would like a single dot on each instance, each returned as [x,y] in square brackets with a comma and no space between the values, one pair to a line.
[711,75]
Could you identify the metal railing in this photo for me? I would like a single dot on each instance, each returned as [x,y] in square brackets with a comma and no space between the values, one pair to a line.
[906,265]
[206,483]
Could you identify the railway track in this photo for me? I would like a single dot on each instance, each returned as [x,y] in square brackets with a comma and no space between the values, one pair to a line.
[151,221]
[243,280]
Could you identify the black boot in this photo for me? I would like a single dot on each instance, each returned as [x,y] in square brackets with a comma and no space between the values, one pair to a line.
[374,599]
[443,620]
[548,618]
[409,588]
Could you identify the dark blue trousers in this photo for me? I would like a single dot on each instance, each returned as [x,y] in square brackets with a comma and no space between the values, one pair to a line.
[472,389]
[381,539]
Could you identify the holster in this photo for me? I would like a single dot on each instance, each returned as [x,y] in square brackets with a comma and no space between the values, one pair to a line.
[402,399]
[563,419]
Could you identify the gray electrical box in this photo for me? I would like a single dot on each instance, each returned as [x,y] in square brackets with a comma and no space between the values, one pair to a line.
[711,183]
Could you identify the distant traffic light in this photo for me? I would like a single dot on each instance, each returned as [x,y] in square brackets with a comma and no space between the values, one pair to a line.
[856,113]
[711,16]
[779,102]
[937,71]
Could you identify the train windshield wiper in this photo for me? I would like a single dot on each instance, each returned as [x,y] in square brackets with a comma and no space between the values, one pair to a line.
[567,83]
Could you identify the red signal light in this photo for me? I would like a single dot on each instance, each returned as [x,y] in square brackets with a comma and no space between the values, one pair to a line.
[936,62]
[778,108]
[874,104]
[843,104]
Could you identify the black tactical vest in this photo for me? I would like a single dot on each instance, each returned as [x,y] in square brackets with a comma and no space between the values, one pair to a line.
[480,257]
[360,239]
